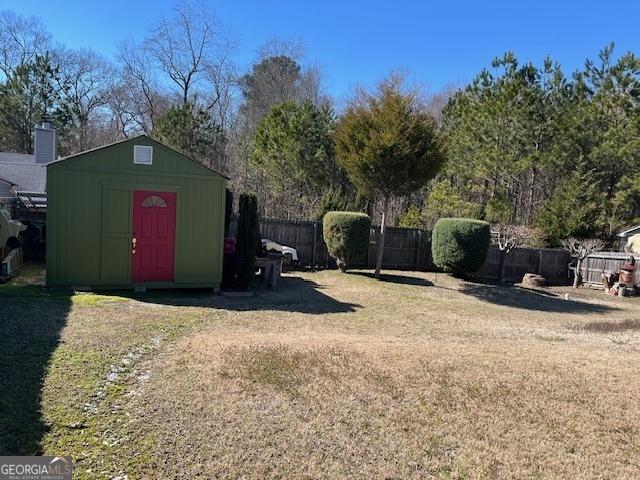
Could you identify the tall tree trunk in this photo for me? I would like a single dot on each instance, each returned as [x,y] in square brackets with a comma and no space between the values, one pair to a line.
[577,275]
[385,202]
[532,190]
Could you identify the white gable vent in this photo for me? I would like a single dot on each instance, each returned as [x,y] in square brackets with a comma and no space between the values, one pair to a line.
[142,155]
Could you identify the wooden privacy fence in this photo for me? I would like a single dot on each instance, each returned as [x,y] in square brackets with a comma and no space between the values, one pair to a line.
[410,249]
[553,264]
[404,248]
[600,262]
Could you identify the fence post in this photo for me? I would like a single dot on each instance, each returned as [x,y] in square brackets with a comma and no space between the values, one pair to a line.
[540,261]
[418,249]
[314,247]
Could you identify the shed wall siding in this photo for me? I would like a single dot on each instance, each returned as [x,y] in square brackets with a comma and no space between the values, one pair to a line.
[89,216]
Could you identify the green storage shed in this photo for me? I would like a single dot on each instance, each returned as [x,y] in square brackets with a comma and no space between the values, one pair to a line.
[134,214]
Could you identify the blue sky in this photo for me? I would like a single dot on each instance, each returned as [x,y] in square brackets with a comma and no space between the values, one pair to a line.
[360,42]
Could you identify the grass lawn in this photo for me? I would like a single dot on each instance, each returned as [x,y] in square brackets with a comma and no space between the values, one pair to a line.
[333,376]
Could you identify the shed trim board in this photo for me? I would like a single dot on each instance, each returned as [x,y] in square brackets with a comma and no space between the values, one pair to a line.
[91,217]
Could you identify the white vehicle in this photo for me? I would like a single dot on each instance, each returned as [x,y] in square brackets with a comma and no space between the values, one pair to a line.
[10,251]
[290,254]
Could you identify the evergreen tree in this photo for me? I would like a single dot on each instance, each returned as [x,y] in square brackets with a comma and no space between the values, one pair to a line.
[190,130]
[294,144]
[341,199]
[445,199]
[574,210]
[389,146]
[502,131]
[29,96]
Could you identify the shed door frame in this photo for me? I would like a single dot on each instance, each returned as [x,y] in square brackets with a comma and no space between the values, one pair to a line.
[153,235]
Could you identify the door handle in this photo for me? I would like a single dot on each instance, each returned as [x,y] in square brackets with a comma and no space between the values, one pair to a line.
[134,241]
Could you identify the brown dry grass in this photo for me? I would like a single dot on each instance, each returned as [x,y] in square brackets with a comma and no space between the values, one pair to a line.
[610,326]
[417,376]
[333,376]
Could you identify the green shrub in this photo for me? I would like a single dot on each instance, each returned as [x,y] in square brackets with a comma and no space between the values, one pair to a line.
[460,245]
[246,244]
[347,236]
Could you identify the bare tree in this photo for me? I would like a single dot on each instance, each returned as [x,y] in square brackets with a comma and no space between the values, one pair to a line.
[581,249]
[86,80]
[439,100]
[220,98]
[186,44]
[140,95]
[21,38]
[185,58]
[507,237]
[123,120]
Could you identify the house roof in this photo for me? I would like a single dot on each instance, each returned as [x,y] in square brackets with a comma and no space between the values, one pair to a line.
[162,145]
[629,231]
[27,177]
[17,157]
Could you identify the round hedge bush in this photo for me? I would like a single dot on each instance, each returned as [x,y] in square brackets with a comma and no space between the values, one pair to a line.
[460,245]
[346,235]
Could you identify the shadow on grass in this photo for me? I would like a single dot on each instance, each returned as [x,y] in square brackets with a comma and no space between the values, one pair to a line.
[294,294]
[526,299]
[30,324]
[400,279]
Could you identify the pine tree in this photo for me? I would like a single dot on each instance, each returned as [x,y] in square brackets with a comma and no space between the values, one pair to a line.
[574,210]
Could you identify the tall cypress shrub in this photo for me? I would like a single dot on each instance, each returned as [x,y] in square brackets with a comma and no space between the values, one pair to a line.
[228,210]
[229,259]
[246,244]
[346,235]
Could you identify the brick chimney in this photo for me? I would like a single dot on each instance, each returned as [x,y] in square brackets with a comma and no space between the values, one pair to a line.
[45,144]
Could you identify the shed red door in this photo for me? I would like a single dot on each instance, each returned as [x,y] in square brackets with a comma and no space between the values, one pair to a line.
[154,234]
